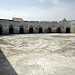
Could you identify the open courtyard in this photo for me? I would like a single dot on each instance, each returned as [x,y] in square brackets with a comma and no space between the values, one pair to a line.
[37,54]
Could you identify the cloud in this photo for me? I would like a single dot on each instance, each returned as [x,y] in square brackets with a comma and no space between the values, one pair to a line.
[50,1]
[47,10]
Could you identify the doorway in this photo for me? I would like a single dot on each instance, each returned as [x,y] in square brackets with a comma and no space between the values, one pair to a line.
[49,30]
[40,30]
[21,31]
[58,30]
[31,29]
[11,30]
[0,30]
[67,30]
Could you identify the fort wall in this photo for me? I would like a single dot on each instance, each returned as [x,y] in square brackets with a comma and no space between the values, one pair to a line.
[17,27]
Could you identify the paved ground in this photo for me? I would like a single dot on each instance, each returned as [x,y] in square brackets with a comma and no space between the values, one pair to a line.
[37,54]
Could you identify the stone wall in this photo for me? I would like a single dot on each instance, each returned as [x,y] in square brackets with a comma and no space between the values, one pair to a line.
[36,25]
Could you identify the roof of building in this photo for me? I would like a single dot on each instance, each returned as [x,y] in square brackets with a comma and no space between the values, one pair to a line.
[6,19]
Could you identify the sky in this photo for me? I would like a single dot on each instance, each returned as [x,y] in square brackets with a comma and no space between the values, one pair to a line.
[38,10]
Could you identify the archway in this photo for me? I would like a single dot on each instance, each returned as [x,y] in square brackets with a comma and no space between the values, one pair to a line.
[40,30]
[0,29]
[11,29]
[21,30]
[49,30]
[31,29]
[58,30]
[67,30]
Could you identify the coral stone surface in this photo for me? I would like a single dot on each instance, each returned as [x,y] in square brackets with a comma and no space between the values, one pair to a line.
[37,54]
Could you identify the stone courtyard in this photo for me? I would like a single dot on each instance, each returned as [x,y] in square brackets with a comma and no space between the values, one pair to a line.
[37,54]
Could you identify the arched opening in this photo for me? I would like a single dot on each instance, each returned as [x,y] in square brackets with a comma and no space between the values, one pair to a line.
[0,29]
[11,29]
[58,30]
[40,30]
[21,30]
[31,29]
[67,30]
[49,30]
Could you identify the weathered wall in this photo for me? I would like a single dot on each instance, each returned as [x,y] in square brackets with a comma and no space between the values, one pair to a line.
[72,26]
[36,25]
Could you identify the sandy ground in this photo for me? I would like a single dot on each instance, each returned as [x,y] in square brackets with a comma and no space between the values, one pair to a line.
[37,54]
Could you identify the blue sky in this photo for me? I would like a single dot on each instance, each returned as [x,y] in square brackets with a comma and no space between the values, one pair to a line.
[41,10]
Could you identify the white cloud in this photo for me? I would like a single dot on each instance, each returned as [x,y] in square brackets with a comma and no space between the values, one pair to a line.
[57,12]
[51,1]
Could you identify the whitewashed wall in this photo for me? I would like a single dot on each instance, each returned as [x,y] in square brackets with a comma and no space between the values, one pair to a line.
[36,25]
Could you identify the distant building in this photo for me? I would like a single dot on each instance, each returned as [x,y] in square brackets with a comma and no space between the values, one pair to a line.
[17,19]
[19,26]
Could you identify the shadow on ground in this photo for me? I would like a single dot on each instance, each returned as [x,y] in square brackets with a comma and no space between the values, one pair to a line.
[5,66]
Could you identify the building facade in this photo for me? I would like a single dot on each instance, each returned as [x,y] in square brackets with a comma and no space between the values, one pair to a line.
[19,26]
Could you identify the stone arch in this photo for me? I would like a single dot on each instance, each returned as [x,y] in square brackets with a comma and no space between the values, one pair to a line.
[21,29]
[58,30]
[67,30]
[31,29]
[49,30]
[40,29]
[0,29]
[11,29]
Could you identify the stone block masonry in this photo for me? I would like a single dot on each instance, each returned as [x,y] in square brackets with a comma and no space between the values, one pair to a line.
[19,26]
